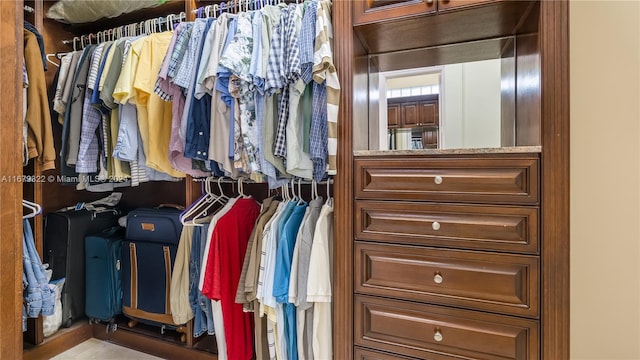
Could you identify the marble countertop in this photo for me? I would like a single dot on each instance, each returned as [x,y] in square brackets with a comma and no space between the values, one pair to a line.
[460,151]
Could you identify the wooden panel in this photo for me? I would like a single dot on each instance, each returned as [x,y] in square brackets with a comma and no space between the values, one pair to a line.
[374,10]
[409,111]
[62,340]
[428,113]
[485,49]
[393,115]
[448,5]
[506,284]
[497,19]
[528,120]
[363,354]
[555,213]
[495,179]
[430,138]
[499,228]
[148,344]
[11,44]
[433,332]
[343,183]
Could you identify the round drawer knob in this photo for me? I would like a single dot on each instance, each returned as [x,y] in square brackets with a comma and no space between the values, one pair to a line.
[437,180]
[435,226]
[437,278]
[437,336]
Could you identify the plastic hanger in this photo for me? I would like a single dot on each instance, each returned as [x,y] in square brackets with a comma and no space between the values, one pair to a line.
[35,209]
[48,57]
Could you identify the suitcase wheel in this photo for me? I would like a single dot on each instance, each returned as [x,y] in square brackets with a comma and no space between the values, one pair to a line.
[132,323]
[112,327]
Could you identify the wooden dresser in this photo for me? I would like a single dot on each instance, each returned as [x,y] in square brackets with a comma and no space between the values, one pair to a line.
[446,254]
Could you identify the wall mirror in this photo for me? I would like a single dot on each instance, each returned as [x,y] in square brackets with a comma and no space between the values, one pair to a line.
[454,96]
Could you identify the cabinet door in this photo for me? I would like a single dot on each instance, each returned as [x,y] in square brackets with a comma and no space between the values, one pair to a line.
[429,113]
[393,115]
[410,114]
[368,11]
[445,5]
[430,138]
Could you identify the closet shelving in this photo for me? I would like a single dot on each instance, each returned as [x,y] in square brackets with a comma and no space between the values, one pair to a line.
[59,38]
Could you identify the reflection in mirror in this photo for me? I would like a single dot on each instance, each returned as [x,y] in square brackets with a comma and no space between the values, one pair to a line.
[449,97]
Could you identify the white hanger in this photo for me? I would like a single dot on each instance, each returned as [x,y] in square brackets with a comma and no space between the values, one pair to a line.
[35,209]
[200,207]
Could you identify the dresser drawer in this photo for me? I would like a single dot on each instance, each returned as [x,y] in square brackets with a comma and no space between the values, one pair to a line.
[500,283]
[500,228]
[498,179]
[434,332]
[363,354]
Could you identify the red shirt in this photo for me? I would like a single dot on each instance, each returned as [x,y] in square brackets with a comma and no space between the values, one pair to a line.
[222,273]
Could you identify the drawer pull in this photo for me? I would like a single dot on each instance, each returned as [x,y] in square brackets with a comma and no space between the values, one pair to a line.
[437,180]
[437,278]
[429,1]
[437,336]
[435,226]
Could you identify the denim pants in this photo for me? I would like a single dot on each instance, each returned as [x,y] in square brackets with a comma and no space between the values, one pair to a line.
[38,296]
[200,304]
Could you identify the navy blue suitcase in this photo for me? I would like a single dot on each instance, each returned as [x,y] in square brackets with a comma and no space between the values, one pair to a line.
[148,254]
[103,276]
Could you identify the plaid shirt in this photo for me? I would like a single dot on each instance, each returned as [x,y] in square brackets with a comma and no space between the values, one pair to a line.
[275,77]
[318,133]
[308,40]
[186,68]
[291,54]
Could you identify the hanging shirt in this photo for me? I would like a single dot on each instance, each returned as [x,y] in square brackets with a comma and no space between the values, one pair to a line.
[324,70]
[220,124]
[154,114]
[319,284]
[228,245]
[216,308]
[237,58]
[38,117]
[304,315]
[65,64]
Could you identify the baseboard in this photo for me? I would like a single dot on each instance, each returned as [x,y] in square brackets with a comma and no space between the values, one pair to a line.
[64,339]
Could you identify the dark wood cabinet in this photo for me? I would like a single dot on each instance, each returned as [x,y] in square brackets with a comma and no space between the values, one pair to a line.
[459,235]
[413,111]
[393,116]
[367,11]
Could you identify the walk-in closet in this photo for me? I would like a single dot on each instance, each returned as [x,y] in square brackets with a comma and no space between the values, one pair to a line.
[353,179]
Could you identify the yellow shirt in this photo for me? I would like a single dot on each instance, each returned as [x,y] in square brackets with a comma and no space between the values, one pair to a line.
[154,114]
[123,91]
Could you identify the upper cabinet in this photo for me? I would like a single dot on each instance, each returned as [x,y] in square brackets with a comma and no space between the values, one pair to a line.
[422,23]
[377,10]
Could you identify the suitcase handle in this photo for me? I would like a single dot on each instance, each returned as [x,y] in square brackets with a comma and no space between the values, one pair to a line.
[170,206]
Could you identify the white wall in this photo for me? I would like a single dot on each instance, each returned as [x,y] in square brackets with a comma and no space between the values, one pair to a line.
[605,179]
[471,111]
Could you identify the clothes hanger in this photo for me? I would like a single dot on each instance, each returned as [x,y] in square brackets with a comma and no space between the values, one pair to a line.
[213,199]
[300,199]
[35,209]
[48,57]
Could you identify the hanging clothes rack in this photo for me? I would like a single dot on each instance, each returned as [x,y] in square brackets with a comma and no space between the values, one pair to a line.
[140,28]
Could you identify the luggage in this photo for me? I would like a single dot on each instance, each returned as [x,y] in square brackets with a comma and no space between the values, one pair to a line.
[148,255]
[64,251]
[103,299]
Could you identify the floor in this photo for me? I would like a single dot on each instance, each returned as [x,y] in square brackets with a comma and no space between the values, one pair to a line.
[102,350]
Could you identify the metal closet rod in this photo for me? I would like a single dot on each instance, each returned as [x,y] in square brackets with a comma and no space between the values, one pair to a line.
[139,28]
[228,180]
[235,6]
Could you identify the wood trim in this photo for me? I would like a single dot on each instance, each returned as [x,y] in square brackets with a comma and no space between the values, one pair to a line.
[64,339]
[343,187]
[554,48]
[11,43]
[150,345]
